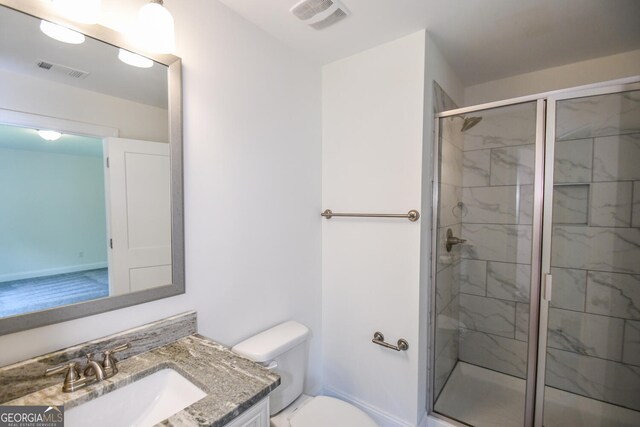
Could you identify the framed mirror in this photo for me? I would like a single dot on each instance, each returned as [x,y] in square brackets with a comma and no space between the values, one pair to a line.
[91,193]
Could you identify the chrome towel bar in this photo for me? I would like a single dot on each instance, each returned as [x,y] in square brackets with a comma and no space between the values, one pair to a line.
[378,338]
[413,215]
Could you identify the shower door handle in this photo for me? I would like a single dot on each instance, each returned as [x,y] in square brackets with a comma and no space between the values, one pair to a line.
[548,287]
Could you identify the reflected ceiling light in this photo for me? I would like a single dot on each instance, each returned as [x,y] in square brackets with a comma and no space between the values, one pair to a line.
[154,28]
[61,33]
[49,135]
[134,59]
[85,11]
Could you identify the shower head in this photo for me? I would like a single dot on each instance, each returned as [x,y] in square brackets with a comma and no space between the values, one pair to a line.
[470,122]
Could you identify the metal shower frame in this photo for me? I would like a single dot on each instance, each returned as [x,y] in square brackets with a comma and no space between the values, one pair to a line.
[541,236]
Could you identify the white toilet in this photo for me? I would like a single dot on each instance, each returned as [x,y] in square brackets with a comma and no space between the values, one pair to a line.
[283,349]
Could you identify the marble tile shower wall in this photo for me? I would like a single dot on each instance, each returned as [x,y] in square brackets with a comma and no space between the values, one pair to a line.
[594,317]
[495,265]
[448,264]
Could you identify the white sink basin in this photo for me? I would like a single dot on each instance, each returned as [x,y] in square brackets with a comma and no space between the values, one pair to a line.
[143,403]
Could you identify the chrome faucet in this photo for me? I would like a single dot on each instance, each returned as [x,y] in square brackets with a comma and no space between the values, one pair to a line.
[92,373]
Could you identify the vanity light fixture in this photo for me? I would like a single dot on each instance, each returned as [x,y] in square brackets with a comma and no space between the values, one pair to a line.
[154,29]
[84,11]
[61,33]
[49,135]
[134,59]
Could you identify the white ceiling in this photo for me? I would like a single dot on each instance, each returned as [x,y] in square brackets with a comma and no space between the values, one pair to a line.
[483,40]
[23,45]
[19,138]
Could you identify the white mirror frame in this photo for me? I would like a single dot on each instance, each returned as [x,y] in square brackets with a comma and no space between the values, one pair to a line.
[44,10]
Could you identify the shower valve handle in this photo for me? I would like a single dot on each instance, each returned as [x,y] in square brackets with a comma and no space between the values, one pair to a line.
[452,240]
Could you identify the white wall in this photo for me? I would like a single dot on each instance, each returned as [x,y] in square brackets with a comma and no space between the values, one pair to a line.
[580,73]
[252,112]
[377,153]
[55,222]
[252,177]
[28,94]
[372,143]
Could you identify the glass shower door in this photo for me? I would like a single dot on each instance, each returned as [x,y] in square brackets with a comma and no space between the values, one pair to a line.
[489,173]
[590,354]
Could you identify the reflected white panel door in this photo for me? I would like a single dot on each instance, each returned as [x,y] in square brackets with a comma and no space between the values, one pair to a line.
[139,214]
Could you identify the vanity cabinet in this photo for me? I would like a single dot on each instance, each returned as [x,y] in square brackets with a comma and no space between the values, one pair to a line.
[153,384]
[256,416]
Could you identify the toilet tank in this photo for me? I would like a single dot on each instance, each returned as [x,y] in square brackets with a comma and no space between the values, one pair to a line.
[282,349]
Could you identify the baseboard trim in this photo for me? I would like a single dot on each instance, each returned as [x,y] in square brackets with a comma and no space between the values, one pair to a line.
[424,422]
[431,421]
[384,419]
[51,271]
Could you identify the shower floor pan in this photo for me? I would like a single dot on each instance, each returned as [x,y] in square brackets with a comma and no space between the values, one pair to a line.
[485,398]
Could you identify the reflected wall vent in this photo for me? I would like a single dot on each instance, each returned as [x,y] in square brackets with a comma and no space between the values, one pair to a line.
[320,14]
[62,70]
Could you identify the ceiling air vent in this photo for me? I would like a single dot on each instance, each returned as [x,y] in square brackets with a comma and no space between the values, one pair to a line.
[62,70]
[320,14]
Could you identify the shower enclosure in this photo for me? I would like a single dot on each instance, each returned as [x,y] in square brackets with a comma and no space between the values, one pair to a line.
[536,261]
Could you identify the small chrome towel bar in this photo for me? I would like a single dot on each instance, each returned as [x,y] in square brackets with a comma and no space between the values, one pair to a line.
[378,338]
[413,215]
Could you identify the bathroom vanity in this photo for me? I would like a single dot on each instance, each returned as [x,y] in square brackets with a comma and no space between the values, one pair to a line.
[177,377]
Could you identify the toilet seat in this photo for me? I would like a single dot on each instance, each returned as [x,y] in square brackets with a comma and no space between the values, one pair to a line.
[323,411]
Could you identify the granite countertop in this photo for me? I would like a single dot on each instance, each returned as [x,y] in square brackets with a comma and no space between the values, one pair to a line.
[233,384]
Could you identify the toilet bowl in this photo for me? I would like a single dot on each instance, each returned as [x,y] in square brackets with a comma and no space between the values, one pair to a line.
[321,411]
[283,349]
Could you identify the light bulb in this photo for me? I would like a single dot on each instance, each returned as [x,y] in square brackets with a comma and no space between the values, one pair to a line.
[85,11]
[154,28]
[61,33]
[134,59]
[49,135]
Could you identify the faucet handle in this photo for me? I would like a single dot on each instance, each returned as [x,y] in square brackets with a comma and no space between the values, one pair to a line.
[71,368]
[109,363]
[119,348]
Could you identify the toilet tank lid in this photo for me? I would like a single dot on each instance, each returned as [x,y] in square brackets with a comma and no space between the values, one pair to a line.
[273,342]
